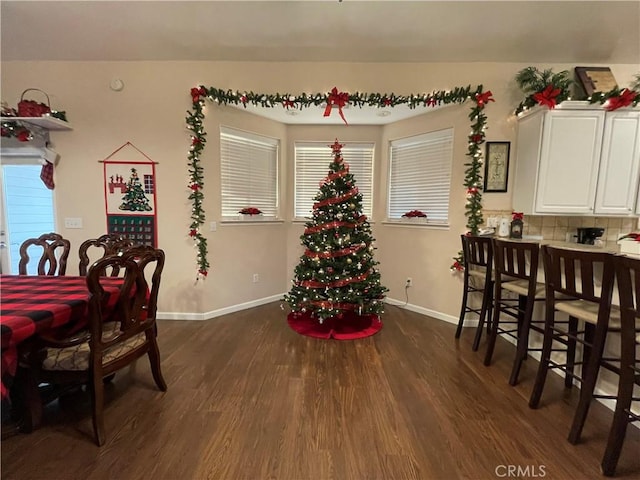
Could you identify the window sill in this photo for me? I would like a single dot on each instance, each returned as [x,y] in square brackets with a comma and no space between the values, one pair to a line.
[415,223]
[258,220]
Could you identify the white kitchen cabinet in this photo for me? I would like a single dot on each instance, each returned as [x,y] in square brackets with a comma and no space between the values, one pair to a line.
[577,159]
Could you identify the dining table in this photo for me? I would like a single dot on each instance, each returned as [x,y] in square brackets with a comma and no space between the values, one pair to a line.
[33,305]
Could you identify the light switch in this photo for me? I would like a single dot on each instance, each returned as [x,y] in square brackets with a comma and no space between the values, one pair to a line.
[73,222]
[213,226]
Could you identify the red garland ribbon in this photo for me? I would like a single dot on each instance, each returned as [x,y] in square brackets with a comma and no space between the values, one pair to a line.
[337,253]
[337,283]
[547,96]
[625,99]
[335,175]
[334,224]
[336,98]
[338,305]
[330,201]
[483,98]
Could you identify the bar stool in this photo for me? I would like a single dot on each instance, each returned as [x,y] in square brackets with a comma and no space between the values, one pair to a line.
[628,275]
[516,271]
[477,255]
[586,277]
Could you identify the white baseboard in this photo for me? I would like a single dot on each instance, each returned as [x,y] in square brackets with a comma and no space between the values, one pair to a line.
[219,312]
[428,312]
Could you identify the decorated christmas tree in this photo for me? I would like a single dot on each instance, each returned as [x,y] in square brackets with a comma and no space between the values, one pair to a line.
[135,199]
[336,274]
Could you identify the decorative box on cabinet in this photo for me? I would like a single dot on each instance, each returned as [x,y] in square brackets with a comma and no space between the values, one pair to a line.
[577,159]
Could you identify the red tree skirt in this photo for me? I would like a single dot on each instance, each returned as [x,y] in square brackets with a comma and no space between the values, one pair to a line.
[349,327]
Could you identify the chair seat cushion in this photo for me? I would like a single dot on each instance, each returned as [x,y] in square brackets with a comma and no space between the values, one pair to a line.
[588,311]
[76,358]
[521,287]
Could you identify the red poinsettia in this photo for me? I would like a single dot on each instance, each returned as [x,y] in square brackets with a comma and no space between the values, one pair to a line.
[415,214]
[625,99]
[250,211]
[547,96]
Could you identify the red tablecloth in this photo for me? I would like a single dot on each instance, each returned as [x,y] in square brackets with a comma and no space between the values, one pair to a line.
[31,304]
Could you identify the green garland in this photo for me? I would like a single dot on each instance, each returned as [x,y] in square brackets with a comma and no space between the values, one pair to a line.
[195,117]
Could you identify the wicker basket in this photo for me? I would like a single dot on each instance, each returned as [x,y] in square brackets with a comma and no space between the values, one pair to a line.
[31,108]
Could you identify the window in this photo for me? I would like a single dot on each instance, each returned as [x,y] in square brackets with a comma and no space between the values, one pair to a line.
[249,172]
[312,165]
[148,184]
[420,175]
[28,208]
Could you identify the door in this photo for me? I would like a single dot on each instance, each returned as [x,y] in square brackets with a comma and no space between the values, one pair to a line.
[27,208]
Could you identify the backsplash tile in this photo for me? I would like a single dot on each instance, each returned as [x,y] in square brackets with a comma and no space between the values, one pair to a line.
[563,227]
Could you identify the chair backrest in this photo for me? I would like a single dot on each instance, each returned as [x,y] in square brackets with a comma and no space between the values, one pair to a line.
[580,274]
[109,244]
[516,259]
[53,259]
[126,314]
[477,251]
[150,260]
[628,276]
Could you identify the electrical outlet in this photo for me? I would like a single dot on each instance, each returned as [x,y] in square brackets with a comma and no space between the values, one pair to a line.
[256,278]
[409,282]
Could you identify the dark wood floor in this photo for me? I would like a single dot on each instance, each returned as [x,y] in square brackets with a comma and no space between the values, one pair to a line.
[250,399]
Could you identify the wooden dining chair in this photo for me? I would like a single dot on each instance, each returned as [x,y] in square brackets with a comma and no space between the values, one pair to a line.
[53,250]
[516,292]
[115,336]
[585,281]
[477,256]
[106,244]
[628,276]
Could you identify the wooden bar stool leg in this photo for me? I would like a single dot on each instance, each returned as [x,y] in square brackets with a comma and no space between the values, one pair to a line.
[491,341]
[487,308]
[589,378]
[463,309]
[571,352]
[524,324]
[547,344]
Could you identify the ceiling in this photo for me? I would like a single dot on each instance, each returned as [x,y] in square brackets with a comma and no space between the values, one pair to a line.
[574,32]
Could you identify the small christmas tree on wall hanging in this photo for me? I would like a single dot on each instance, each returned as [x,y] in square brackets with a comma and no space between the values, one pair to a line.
[337,287]
[135,199]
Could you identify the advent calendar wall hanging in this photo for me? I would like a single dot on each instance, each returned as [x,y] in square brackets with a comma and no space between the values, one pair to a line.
[130,197]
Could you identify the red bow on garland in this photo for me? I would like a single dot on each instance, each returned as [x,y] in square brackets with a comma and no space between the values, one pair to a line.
[547,96]
[336,98]
[483,98]
[196,93]
[517,216]
[625,99]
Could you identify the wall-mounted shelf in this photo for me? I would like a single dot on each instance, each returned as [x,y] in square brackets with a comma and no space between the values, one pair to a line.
[46,122]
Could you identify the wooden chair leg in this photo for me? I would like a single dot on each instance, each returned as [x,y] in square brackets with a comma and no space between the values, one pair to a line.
[620,421]
[543,368]
[486,308]
[154,360]
[463,308]
[493,336]
[589,378]
[569,376]
[522,349]
[97,401]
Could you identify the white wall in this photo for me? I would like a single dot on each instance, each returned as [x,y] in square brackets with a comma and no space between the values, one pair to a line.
[150,113]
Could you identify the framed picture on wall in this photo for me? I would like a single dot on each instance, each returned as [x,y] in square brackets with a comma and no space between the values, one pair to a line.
[496,167]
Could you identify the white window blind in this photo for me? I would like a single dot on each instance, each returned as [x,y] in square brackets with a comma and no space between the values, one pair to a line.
[312,165]
[420,175]
[249,172]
